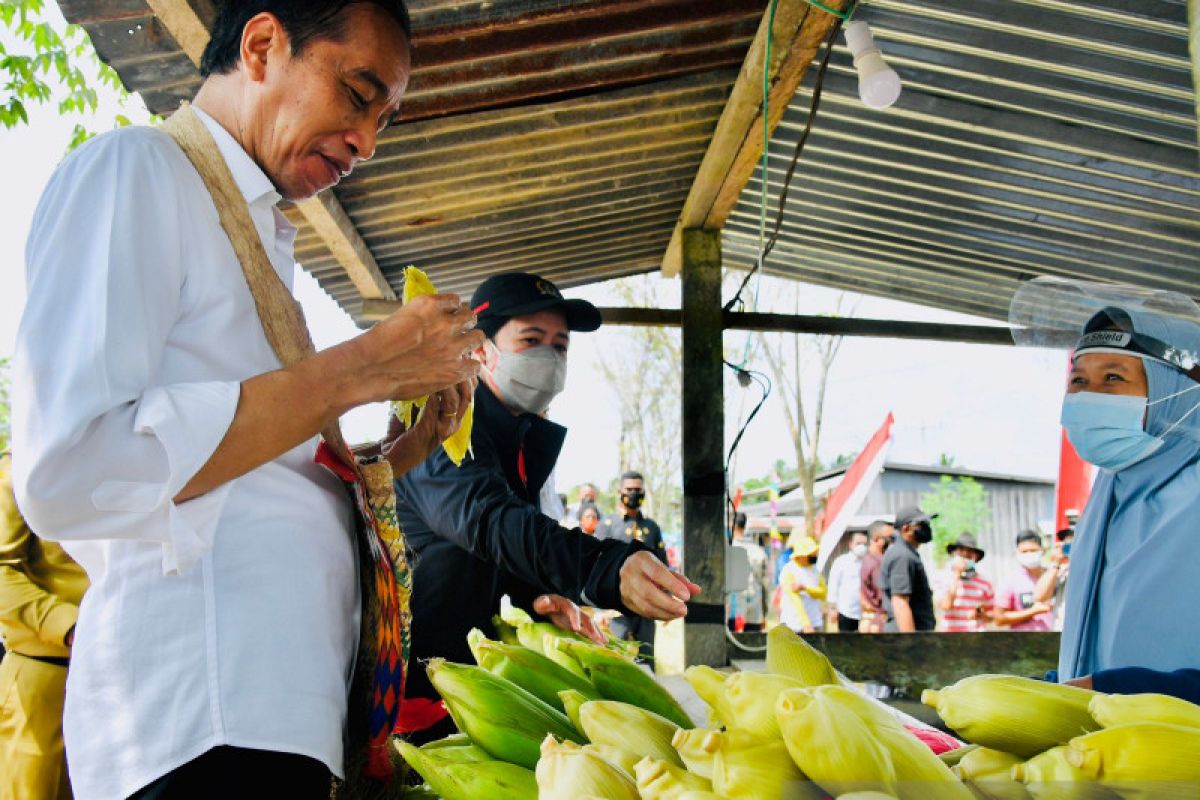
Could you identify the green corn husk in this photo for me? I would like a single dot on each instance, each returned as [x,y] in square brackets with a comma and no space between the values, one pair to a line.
[458,754]
[534,673]
[499,716]
[791,656]
[658,780]
[693,749]
[629,727]
[566,773]
[746,767]
[422,792]
[709,684]
[1014,715]
[1150,759]
[453,740]
[749,702]
[617,678]
[861,749]
[951,757]
[505,632]
[469,781]
[1049,776]
[541,636]
[1110,710]
[572,701]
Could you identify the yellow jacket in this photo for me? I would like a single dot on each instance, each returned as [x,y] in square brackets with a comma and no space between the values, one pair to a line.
[40,586]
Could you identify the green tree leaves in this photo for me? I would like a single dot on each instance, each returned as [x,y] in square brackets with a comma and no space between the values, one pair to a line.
[961,505]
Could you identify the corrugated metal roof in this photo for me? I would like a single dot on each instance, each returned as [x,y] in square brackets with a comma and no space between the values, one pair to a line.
[1032,137]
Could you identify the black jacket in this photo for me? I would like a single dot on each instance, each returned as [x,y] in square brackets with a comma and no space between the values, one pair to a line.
[477,533]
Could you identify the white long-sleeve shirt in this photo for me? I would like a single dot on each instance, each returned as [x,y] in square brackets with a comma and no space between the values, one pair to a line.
[845,585]
[230,619]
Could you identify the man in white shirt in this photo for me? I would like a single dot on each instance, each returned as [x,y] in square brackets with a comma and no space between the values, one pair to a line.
[158,439]
[845,580]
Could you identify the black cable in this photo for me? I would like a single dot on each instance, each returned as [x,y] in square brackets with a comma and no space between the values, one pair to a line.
[744,377]
[813,108]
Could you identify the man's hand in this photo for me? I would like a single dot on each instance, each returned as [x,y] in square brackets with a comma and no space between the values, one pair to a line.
[566,615]
[443,416]
[420,349]
[649,589]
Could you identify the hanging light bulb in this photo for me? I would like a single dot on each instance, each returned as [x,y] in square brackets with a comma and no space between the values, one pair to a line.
[878,84]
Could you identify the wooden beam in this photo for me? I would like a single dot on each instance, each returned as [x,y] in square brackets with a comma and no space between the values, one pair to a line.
[703,447]
[324,213]
[736,144]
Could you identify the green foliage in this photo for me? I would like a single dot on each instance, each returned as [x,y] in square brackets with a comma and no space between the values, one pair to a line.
[962,507]
[5,410]
[53,66]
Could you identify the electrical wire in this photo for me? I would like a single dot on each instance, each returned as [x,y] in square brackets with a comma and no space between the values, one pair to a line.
[745,377]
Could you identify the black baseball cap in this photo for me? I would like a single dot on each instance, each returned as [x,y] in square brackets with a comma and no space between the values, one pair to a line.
[513,294]
[911,515]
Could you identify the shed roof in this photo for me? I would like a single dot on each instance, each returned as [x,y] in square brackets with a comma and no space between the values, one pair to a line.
[562,136]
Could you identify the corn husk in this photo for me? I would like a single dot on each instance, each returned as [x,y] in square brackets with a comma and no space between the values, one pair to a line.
[989,773]
[746,767]
[454,780]
[693,749]
[627,727]
[1110,710]
[1014,715]
[841,741]
[709,684]
[658,780]
[617,678]
[791,656]
[749,702]
[566,773]
[1049,776]
[533,672]
[1151,759]
[951,757]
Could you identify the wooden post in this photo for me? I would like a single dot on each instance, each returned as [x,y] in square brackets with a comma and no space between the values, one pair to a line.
[703,447]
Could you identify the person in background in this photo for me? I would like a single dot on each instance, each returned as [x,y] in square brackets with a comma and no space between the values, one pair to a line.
[746,608]
[40,591]
[803,587]
[587,497]
[626,524]
[589,519]
[880,534]
[907,595]
[1026,596]
[1060,561]
[845,584]
[964,596]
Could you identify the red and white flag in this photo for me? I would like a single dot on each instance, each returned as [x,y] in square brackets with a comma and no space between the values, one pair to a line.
[847,498]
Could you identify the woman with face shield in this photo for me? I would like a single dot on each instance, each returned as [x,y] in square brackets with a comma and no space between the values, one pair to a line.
[1132,409]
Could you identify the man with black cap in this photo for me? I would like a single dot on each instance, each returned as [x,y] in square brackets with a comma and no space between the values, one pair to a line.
[476,529]
[907,596]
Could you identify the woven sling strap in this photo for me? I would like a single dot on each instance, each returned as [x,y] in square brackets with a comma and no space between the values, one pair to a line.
[385,581]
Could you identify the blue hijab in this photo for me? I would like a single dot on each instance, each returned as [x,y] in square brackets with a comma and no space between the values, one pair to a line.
[1132,597]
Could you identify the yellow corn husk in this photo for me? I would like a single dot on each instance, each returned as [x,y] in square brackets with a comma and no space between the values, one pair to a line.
[749,702]
[453,740]
[499,716]
[1014,715]
[989,773]
[692,750]
[791,656]
[709,684]
[458,445]
[658,780]
[866,796]
[617,678]
[840,740]
[533,672]
[620,758]
[697,794]
[1151,759]
[470,780]
[565,773]
[1049,776]
[746,767]
[1110,710]
[951,757]
[628,727]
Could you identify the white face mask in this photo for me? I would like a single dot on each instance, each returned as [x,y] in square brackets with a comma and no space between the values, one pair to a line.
[859,550]
[1030,560]
[529,380]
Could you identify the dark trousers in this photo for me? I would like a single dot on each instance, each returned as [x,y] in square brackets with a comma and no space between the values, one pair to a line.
[847,624]
[237,773]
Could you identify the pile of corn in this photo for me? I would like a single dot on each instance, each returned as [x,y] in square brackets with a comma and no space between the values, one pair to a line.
[546,714]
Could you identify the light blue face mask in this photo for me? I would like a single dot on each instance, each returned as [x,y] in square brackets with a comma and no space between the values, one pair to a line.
[1107,429]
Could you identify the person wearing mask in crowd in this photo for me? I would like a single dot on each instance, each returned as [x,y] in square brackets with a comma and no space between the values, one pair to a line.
[589,519]
[476,530]
[1060,562]
[746,608]
[626,524]
[587,497]
[874,614]
[803,587]
[907,595]
[964,596]
[159,436]
[1132,408]
[845,584]
[1026,596]
[40,591]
